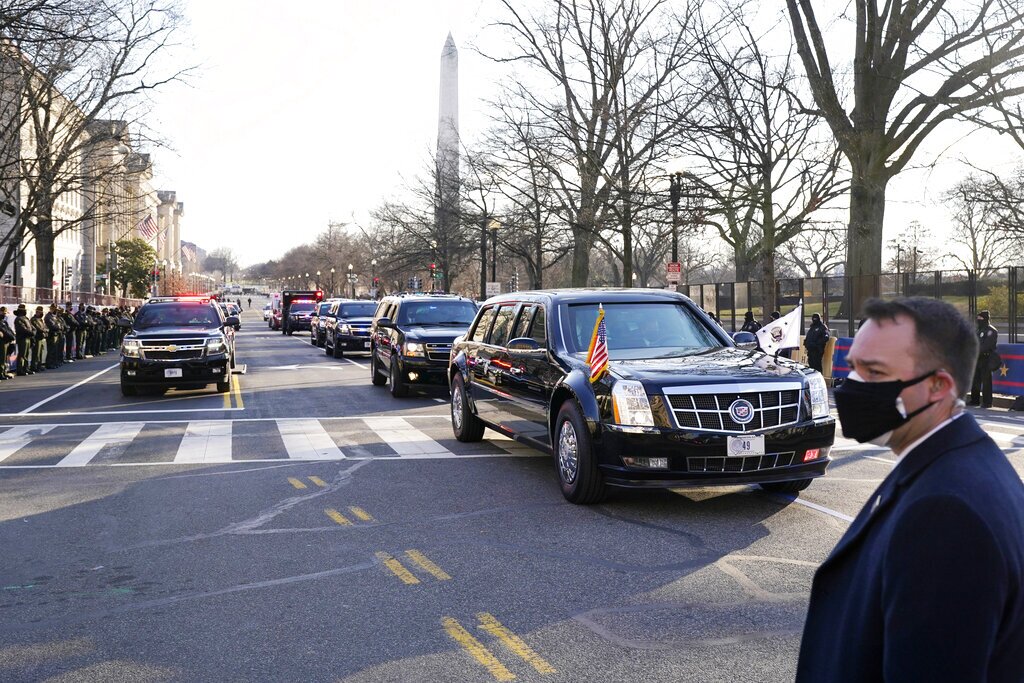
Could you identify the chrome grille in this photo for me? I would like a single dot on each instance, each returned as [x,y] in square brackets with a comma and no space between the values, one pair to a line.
[172,349]
[749,463]
[708,410]
[439,351]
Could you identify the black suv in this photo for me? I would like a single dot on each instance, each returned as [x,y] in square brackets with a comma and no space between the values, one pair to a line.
[183,342]
[679,403]
[348,327]
[411,338]
[318,322]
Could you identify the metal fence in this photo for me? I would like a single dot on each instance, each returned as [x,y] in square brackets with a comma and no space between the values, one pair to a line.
[1001,292]
[11,295]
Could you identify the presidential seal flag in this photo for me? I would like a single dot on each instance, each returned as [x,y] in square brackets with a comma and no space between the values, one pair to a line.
[783,333]
[597,354]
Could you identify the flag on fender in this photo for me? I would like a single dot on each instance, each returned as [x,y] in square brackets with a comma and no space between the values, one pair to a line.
[597,354]
[783,333]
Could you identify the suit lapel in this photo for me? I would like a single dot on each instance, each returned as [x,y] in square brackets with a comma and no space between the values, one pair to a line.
[960,432]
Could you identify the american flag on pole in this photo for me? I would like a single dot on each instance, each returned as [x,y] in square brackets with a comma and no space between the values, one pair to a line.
[148,228]
[597,354]
[189,252]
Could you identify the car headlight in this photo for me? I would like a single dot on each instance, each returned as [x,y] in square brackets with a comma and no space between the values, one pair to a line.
[413,349]
[819,395]
[344,329]
[631,405]
[130,348]
[216,345]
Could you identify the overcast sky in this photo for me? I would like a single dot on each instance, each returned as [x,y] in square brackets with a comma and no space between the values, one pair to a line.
[312,111]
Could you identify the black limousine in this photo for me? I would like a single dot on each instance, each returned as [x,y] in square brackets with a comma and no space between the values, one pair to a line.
[680,404]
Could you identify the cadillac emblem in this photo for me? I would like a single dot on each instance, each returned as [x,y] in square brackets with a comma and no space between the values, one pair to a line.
[742,411]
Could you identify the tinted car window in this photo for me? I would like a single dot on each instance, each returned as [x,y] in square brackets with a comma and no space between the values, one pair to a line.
[356,310]
[502,323]
[639,330]
[538,330]
[172,314]
[483,325]
[522,323]
[300,308]
[324,308]
[437,313]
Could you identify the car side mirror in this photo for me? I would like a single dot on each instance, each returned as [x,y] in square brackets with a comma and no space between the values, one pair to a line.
[385,323]
[524,345]
[124,322]
[231,320]
[744,340]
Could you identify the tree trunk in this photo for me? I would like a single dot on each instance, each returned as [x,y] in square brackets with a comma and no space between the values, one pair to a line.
[864,237]
[43,233]
[768,277]
[746,263]
[538,255]
[581,236]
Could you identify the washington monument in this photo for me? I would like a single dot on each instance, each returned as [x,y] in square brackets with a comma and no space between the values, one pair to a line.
[446,213]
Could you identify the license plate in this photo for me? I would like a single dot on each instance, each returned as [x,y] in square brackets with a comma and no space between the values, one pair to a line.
[366,345]
[745,445]
[172,372]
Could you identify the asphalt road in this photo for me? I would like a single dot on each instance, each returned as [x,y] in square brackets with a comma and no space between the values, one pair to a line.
[309,527]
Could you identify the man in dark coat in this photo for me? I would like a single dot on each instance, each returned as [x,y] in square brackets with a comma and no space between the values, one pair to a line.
[71,335]
[988,338]
[815,342]
[7,339]
[26,335]
[749,324]
[54,338]
[82,340]
[39,340]
[927,583]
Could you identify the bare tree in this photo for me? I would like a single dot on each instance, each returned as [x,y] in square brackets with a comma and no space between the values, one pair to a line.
[607,72]
[62,75]
[916,66]
[818,251]
[978,229]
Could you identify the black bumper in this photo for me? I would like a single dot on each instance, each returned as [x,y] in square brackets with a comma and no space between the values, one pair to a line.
[427,371]
[351,343]
[296,325]
[193,372]
[700,459]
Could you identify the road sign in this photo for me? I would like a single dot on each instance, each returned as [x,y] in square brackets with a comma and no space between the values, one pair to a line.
[674,272]
[493,288]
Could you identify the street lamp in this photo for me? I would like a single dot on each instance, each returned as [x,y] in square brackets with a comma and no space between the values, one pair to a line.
[494,224]
[352,280]
[332,280]
[373,277]
[675,190]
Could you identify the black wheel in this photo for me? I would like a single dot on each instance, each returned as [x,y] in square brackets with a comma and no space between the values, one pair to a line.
[129,389]
[376,376]
[289,333]
[399,389]
[465,424]
[224,387]
[232,361]
[336,350]
[581,481]
[795,486]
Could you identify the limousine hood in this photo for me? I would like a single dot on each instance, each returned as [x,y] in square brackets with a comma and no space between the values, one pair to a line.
[709,366]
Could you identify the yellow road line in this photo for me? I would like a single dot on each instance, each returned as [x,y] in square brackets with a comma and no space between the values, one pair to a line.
[421,560]
[337,517]
[296,483]
[361,514]
[514,643]
[476,650]
[397,568]
[318,481]
[227,398]
[238,391]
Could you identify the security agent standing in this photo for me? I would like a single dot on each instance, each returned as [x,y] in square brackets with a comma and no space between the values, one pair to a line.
[749,324]
[7,338]
[82,337]
[71,333]
[39,341]
[815,341]
[25,334]
[988,338]
[54,338]
[927,583]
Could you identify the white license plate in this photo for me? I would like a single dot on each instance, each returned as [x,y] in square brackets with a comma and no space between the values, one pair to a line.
[366,345]
[172,372]
[745,445]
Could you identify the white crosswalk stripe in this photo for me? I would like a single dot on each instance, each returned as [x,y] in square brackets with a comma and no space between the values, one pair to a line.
[208,441]
[114,436]
[308,440]
[166,442]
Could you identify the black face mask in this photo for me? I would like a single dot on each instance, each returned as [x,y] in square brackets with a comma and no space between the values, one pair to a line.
[868,410]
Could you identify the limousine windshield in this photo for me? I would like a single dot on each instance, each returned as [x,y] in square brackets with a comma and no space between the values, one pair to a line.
[639,330]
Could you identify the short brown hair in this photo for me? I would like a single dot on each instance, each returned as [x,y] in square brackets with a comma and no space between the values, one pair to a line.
[945,337]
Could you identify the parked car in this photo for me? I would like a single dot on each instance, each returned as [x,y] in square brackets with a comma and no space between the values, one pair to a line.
[411,338]
[267,309]
[318,322]
[679,403]
[348,327]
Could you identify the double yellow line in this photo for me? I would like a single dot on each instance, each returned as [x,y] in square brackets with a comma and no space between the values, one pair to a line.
[357,512]
[299,484]
[418,559]
[235,395]
[478,651]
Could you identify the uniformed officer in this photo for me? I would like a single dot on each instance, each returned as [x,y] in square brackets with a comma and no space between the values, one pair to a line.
[25,334]
[82,336]
[54,338]
[71,335]
[39,340]
[7,339]
[988,338]
[815,342]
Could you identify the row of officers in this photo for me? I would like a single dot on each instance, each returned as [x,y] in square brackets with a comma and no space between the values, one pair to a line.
[48,339]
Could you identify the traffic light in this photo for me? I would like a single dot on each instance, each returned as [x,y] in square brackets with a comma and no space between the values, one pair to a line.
[156,275]
[412,283]
[376,281]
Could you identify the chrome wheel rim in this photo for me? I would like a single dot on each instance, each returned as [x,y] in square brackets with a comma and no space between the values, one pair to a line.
[568,452]
[457,408]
